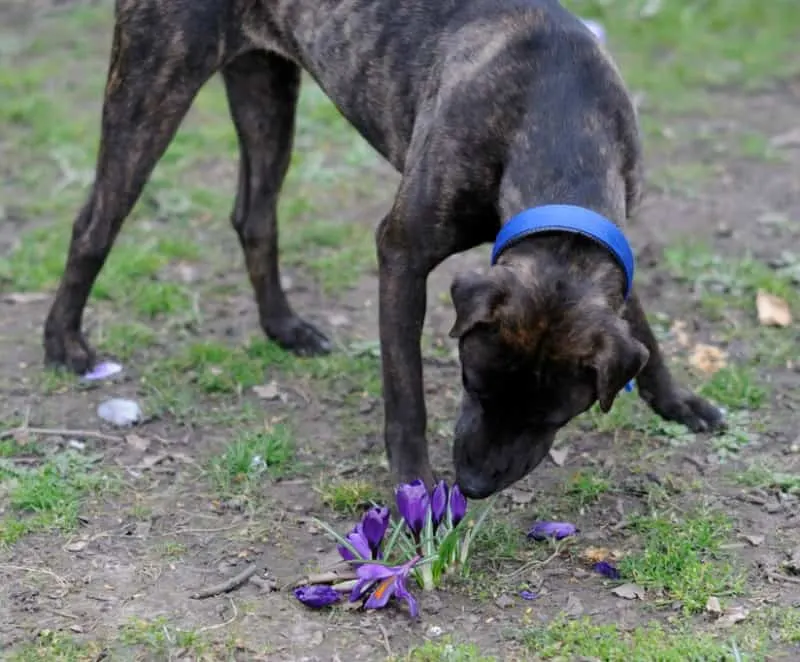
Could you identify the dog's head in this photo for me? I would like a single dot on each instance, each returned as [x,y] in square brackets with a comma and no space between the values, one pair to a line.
[533,355]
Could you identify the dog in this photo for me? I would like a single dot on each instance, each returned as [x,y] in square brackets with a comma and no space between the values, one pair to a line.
[508,122]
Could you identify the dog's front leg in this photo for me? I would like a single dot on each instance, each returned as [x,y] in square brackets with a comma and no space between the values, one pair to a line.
[409,248]
[657,386]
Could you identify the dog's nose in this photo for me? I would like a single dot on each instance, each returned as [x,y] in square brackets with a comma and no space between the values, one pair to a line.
[473,485]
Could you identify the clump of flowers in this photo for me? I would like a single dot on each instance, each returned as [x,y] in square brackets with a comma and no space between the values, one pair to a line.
[430,540]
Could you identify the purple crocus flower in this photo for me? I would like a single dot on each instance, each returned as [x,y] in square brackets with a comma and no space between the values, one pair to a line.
[317,596]
[457,505]
[557,530]
[412,502]
[359,542]
[607,570]
[438,503]
[390,581]
[373,528]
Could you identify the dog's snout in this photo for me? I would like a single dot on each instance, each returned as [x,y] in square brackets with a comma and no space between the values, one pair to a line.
[474,485]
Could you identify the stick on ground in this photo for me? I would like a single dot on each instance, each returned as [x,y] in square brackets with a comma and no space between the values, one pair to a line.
[228,585]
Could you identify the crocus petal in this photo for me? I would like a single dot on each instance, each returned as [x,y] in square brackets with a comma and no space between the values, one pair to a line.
[412,502]
[373,528]
[439,502]
[457,505]
[557,530]
[317,596]
[103,370]
[528,595]
[383,591]
[368,574]
[359,543]
[402,592]
[607,570]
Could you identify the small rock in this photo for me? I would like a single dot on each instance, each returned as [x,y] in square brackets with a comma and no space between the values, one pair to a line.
[76,546]
[77,445]
[629,592]
[574,606]
[559,456]
[120,412]
[713,606]
[267,391]
[504,601]
[435,631]
[137,443]
[732,616]
[772,508]
[755,541]
[793,564]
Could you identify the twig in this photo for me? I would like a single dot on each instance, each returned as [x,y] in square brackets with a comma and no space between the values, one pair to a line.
[60,432]
[779,577]
[386,644]
[229,585]
[217,626]
[534,564]
[331,577]
[263,584]
[7,566]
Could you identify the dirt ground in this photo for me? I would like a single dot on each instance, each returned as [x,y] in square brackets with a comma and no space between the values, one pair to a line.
[105,534]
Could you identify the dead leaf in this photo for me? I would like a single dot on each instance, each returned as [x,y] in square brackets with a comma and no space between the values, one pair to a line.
[732,616]
[598,554]
[707,358]
[25,297]
[679,331]
[629,592]
[755,541]
[137,443]
[559,456]
[267,391]
[772,310]
[713,606]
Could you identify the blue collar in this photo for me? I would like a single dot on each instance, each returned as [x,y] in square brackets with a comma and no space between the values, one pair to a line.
[568,218]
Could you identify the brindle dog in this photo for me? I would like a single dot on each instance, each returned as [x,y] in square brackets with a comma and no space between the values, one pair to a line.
[486,108]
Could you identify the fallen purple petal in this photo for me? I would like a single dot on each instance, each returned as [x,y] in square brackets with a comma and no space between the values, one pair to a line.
[556,530]
[103,370]
[607,570]
[528,595]
[318,596]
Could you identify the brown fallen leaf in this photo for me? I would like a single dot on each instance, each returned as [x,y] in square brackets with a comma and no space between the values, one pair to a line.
[708,359]
[137,443]
[598,554]
[678,329]
[772,310]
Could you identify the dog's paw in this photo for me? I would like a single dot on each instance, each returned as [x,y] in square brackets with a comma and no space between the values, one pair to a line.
[693,411]
[299,337]
[67,349]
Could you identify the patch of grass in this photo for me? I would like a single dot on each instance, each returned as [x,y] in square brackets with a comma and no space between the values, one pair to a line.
[735,387]
[349,497]
[48,496]
[584,488]
[566,639]
[445,651]
[766,477]
[52,646]
[696,45]
[683,559]
[161,640]
[249,457]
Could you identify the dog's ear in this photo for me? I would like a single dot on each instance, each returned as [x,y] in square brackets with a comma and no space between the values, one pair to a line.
[475,298]
[619,357]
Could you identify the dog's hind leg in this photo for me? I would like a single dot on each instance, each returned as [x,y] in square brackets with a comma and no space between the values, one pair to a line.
[262,95]
[154,73]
